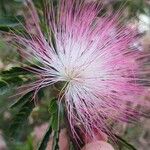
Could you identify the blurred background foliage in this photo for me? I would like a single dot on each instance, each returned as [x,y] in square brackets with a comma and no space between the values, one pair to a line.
[137,13]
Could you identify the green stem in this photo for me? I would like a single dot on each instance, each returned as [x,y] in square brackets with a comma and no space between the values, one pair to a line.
[125,143]
[45,140]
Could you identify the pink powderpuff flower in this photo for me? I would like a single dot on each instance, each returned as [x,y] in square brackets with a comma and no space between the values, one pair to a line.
[92,55]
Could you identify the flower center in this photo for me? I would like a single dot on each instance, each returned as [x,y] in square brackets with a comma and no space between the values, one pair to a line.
[71,74]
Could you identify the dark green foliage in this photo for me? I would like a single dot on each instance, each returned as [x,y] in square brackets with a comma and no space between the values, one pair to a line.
[53,109]
[12,78]
[8,79]
[45,139]
[10,7]
[10,21]
[21,118]
[3,87]
[22,100]
[55,145]
[27,145]
[15,71]
[6,84]
[56,113]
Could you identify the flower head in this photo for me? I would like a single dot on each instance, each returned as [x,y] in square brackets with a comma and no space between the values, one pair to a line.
[92,54]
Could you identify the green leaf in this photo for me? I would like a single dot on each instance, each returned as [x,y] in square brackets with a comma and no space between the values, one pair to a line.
[125,143]
[55,145]
[7,23]
[4,28]
[13,80]
[29,143]
[53,109]
[15,71]
[14,77]
[7,83]
[22,100]
[4,87]
[45,139]
[10,21]
[56,112]
[21,118]
[2,7]
[54,126]
[26,98]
